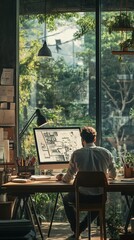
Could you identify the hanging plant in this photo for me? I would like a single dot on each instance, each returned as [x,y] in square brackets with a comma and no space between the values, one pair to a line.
[124,20]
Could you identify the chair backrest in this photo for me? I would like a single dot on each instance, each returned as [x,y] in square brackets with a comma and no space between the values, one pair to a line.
[91,180]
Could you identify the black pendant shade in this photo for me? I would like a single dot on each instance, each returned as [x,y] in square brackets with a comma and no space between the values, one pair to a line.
[45,51]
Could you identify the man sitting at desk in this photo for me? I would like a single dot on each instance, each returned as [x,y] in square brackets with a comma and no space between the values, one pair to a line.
[88,158]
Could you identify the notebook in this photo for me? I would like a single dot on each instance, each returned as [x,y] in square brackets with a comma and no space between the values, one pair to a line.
[40,177]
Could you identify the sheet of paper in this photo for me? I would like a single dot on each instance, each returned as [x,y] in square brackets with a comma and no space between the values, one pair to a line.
[6,151]
[1,151]
[127,180]
[1,134]
[40,177]
[7,76]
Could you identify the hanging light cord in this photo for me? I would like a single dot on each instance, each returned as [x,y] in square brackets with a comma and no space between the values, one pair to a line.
[45,32]
[126,7]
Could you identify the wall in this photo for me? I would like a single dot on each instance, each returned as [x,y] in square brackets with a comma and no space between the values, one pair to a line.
[7,34]
[8,42]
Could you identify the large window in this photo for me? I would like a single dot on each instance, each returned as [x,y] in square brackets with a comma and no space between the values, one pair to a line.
[117,81]
[64,87]
[83,83]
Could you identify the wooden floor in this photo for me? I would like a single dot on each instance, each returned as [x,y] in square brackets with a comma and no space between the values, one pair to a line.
[62,231]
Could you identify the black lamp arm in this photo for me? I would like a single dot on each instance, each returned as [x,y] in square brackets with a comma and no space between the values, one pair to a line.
[27,125]
[40,120]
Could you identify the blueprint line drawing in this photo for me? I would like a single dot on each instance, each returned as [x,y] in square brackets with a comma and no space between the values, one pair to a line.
[57,144]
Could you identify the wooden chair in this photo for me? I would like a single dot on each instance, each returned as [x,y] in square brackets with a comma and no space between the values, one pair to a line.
[92,180]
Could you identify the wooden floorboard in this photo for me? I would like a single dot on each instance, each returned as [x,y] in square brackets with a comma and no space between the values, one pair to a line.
[61,231]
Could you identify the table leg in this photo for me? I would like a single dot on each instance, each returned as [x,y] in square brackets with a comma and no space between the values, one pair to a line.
[127,200]
[50,226]
[131,210]
[36,218]
[16,207]
[27,204]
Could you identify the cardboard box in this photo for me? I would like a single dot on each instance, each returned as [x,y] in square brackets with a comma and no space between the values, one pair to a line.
[7,117]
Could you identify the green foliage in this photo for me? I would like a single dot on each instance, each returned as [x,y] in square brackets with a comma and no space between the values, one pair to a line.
[59,87]
[129,159]
[56,79]
[132,112]
[122,20]
[114,219]
[44,205]
[128,43]
[53,21]
[85,24]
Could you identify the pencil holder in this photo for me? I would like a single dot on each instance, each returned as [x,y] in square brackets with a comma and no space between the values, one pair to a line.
[26,171]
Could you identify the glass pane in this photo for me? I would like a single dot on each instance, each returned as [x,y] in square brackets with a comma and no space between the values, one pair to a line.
[117,83]
[61,87]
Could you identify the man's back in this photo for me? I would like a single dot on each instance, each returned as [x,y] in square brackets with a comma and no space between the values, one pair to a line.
[90,157]
[93,158]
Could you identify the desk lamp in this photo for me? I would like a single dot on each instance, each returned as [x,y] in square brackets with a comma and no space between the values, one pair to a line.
[40,120]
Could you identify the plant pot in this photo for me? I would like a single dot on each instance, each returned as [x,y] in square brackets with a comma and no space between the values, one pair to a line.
[113,239]
[128,172]
[125,49]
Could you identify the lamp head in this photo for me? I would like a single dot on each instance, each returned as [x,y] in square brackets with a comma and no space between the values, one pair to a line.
[45,51]
[40,118]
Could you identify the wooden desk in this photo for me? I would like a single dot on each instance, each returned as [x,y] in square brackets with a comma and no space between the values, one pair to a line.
[24,190]
[127,189]
[31,187]
[51,185]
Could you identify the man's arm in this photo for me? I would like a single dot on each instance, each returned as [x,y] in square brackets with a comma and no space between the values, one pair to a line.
[71,171]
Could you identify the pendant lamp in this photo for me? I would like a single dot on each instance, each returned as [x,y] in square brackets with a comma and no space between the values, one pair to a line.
[45,51]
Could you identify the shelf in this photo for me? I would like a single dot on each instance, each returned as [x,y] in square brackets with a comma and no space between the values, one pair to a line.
[123,52]
[124,80]
[6,164]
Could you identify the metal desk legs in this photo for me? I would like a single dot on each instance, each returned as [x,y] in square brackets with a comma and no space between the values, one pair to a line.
[130,213]
[36,217]
[26,203]
[53,213]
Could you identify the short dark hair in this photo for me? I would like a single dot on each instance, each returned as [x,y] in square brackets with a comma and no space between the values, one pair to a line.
[88,134]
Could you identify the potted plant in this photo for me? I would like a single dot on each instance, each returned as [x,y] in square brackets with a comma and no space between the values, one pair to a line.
[122,21]
[128,165]
[128,43]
